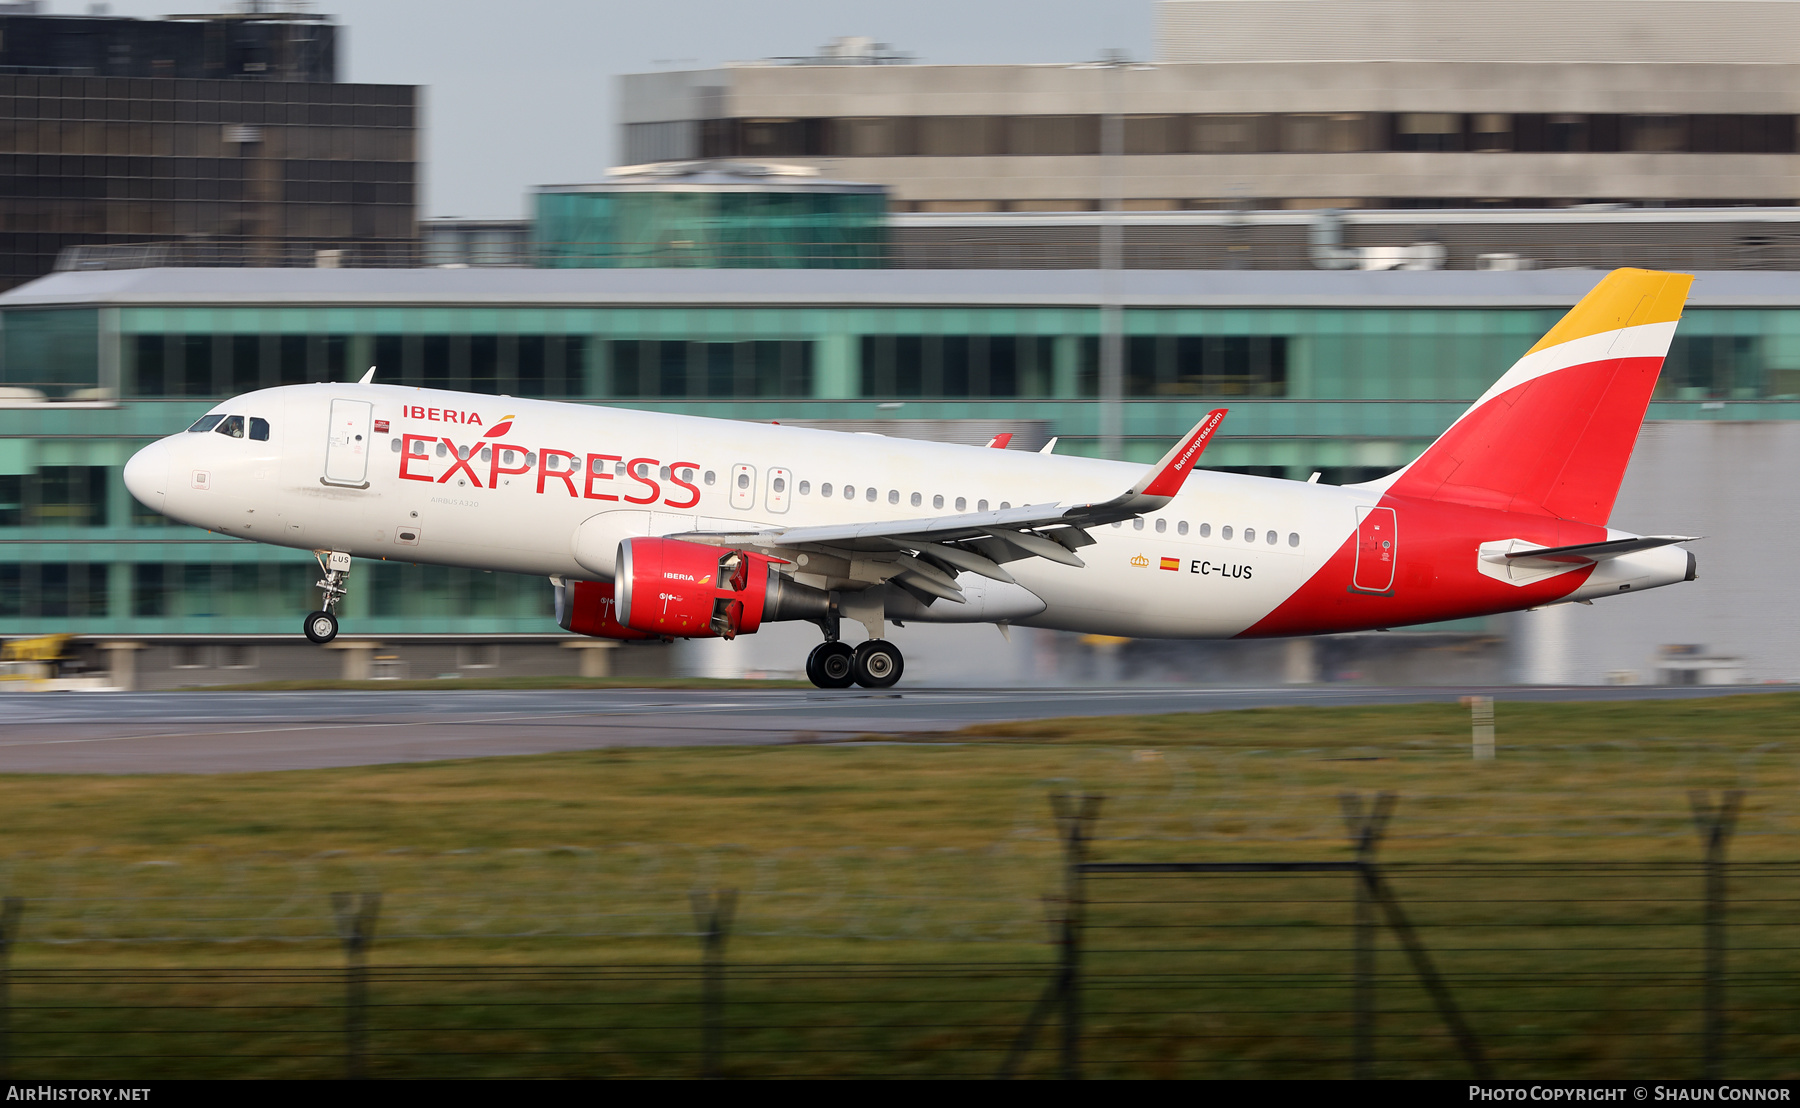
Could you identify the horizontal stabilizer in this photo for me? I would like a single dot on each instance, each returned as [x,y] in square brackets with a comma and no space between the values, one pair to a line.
[1597,551]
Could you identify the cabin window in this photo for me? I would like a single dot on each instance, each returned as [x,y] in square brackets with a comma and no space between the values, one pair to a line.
[825,489]
[779,484]
[1005,504]
[710,477]
[1206,531]
[849,492]
[962,504]
[806,488]
[869,494]
[981,505]
[1249,534]
[937,500]
[1293,538]
[1272,536]
[1161,526]
[663,473]
[259,429]
[743,480]
[893,496]
[395,446]
[917,500]
[1225,533]
[1181,528]
[1137,524]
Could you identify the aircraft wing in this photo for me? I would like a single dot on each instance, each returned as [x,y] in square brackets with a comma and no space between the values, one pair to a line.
[925,554]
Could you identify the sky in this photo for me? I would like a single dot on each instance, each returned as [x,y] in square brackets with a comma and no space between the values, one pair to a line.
[521,94]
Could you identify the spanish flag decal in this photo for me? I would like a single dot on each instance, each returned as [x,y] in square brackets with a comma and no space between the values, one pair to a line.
[1171,563]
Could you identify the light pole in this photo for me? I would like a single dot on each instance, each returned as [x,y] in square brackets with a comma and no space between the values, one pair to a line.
[1112,256]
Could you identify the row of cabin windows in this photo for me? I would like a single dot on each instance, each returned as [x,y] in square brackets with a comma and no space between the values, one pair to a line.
[1226,532]
[868,493]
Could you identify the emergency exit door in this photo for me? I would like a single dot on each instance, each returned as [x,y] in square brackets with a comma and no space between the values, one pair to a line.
[347,448]
[1377,549]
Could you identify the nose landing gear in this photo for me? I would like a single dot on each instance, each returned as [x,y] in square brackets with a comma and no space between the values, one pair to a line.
[876,664]
[321,626]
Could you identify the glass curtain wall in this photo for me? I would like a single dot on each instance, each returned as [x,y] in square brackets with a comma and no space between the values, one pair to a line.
[1350,392]
[711,230]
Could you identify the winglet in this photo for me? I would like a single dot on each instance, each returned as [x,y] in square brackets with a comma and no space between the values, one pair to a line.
[1000,441]
[368,377]
[1172,471]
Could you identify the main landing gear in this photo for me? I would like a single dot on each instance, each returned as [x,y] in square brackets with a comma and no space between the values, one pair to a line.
[321,626]
[876,664]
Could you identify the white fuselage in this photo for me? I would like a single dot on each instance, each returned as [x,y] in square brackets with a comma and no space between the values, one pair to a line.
[562,493]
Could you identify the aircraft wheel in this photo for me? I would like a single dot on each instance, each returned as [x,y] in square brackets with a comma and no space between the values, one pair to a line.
[321,627]
[831,665]
[878,664]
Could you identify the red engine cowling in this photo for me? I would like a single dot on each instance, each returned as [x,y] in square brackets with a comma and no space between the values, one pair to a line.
[587,608]
[691,591]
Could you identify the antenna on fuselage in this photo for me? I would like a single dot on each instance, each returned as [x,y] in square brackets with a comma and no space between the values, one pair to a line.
[368,378]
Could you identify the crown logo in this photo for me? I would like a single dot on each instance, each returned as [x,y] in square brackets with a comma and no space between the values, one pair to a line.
[1140,561]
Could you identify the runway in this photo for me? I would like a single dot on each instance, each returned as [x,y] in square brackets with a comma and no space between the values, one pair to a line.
[202,732]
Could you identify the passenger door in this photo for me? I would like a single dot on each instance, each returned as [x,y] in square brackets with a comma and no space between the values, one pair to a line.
[347,448]
[1377,549]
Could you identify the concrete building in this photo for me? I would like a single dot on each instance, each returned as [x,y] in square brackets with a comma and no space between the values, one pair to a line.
[1289,104]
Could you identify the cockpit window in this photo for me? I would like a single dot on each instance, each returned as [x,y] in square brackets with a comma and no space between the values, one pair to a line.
[233,425]
[205,423]
[259,429]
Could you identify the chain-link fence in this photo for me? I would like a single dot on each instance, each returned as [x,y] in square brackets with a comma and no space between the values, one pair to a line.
[1072,953]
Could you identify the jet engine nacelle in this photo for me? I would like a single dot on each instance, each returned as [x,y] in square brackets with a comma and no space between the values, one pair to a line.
[588,608]
[693,591]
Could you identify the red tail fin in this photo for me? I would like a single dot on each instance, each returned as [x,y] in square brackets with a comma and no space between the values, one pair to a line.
[1553,436]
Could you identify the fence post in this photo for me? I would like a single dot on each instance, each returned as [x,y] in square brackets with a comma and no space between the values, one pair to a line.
[712,917]
[355,914]
[1366,829]
[10,911]
[1715,824]
[1074,816]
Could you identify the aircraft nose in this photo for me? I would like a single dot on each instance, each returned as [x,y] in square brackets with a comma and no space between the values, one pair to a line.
[147,475]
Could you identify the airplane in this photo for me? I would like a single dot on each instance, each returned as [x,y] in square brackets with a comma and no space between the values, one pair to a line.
[657,526]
